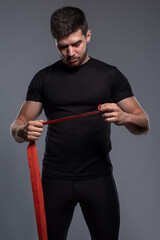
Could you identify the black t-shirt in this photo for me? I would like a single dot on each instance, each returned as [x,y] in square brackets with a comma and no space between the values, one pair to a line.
[77,148]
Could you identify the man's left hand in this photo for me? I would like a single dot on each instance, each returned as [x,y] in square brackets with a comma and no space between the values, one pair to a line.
[111,112]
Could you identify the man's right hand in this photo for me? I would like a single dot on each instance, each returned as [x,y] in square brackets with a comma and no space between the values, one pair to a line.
[31,131]
[25,127]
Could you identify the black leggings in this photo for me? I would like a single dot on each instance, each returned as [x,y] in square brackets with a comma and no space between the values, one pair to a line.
[98,200]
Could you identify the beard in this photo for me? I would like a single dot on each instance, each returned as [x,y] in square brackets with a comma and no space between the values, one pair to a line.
[79,60]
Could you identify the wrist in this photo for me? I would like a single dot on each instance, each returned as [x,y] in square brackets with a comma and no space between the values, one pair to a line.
[20,136]
[126,119]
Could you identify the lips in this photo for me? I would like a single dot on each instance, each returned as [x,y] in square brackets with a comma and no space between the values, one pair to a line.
[72,60]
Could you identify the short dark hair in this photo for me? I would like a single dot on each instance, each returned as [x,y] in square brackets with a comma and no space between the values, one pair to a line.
[67,20]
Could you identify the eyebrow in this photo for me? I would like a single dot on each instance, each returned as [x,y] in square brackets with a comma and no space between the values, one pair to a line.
[61,45]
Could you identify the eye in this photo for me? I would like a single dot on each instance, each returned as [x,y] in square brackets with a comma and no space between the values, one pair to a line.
[62,47]
[76,44]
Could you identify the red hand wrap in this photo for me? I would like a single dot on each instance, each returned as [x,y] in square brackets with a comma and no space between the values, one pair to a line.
[36,178]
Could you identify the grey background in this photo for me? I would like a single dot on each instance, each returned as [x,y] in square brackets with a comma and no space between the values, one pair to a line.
[125,34]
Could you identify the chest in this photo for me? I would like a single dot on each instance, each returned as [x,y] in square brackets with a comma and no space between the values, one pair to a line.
[77,88]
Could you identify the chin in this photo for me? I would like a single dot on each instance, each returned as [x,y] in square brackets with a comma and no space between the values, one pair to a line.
[73,65]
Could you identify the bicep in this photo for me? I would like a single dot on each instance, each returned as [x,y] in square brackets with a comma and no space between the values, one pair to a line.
[130,105]
[30,110]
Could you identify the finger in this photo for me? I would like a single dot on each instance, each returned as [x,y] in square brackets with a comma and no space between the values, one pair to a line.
[108,115]
[108,107]
[32,138]
[41,121]
[111,119]
[34,134]
[35,129]
[35,123]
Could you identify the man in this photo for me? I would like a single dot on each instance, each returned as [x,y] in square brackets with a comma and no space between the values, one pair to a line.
[76,164]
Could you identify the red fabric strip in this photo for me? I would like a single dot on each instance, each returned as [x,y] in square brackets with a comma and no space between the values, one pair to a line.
[71,117]
[37,190]
[36,178]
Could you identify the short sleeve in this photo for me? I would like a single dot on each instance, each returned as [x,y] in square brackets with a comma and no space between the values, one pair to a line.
[122,88]
[34,92]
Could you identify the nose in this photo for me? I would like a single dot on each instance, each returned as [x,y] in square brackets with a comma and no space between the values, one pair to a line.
[70,51]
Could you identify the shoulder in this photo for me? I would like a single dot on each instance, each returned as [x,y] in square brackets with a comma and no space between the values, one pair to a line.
[102,64]
[43,74]
[113,75]
[110,72]
[48,69]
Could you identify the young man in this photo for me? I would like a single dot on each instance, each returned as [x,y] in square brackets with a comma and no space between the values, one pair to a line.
[76,164]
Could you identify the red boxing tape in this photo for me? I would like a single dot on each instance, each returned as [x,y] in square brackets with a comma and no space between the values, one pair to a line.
[36,178]
[37,191]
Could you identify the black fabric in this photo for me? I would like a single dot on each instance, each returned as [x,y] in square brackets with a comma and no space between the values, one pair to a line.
[98,200]
[78,148]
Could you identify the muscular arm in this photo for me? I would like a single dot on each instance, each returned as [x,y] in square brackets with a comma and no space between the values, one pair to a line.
[127,112]
[25,127]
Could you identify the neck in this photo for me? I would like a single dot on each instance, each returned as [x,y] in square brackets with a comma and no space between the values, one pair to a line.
[85,60]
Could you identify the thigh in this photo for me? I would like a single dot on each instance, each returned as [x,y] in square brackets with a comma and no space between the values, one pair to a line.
[100,207]
[59,207]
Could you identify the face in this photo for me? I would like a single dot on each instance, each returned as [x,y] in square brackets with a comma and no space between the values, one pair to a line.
[73,48]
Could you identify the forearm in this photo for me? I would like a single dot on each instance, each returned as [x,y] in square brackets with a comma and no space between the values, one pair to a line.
[137,123]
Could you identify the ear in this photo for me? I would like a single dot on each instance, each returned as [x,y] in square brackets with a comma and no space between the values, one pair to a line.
[88,36]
